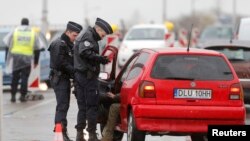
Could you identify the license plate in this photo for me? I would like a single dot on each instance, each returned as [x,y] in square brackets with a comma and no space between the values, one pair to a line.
[193,93]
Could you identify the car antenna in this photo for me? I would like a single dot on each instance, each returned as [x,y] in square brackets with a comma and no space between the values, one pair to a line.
[189,38]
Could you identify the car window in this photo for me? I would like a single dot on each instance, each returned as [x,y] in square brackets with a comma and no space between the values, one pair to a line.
[193,67]
[216,33]
[138,66]
[127,69]
[234,53]
[108,67]
[146,34]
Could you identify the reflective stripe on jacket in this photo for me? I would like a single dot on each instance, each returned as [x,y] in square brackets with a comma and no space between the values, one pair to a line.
[23,42]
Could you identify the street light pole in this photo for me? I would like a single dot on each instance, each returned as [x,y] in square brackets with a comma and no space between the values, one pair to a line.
[234,12]
[45,23]
[164,15]
[193,8]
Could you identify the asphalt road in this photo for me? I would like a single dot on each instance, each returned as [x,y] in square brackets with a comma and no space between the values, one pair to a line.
[34,120]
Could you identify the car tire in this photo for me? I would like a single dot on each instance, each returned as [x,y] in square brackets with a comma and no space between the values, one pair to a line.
[133,133]
[198,137]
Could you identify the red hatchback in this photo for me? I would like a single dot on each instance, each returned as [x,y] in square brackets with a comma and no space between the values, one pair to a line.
[173,91]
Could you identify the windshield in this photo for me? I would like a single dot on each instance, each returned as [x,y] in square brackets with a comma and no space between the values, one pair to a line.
[217,33]
[191,67]
[146,34]
[234,53]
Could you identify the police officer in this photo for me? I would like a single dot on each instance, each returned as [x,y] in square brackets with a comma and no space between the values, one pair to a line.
[62,70]
[87,65]
[23,45]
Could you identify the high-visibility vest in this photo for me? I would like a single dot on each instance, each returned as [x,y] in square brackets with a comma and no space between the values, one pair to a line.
[23,42]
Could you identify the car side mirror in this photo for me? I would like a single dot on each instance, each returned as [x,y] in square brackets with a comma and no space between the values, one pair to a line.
[103,75]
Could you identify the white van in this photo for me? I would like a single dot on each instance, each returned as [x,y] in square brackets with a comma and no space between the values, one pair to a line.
[244,29]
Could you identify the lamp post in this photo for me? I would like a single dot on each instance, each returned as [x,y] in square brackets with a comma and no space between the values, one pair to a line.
[164,14]
[234,12]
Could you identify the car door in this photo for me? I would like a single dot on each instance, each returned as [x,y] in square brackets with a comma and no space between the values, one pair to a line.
[110,69]
[119,83]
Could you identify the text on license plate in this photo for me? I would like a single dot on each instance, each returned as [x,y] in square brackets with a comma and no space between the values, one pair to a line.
[193,93]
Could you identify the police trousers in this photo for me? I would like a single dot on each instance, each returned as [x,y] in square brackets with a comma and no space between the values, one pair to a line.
[62,92]
[22,73]
[87,95]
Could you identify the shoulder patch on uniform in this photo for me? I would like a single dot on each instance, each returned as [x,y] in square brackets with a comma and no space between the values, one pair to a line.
[86,43]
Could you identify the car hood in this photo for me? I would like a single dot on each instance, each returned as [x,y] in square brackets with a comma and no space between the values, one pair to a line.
[145,44]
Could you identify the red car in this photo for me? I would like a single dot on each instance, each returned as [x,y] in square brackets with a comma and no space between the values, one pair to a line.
[174,91]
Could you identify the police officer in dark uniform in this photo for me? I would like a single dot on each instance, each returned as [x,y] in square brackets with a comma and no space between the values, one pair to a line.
[87,65]
[62,70]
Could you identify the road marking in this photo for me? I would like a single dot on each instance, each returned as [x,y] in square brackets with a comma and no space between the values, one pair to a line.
[29,108]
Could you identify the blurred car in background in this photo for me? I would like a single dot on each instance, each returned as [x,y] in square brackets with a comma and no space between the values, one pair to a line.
[141,36]
[44,57]
[215,33]
[238,53]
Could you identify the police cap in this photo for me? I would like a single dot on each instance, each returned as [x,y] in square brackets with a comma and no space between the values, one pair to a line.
[25,21]
[74,27]
[104,25]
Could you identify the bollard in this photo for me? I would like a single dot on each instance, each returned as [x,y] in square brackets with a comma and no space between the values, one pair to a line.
[1,104]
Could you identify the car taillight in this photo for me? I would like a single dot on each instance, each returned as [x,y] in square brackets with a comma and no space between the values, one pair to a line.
[147,89]
[235,92]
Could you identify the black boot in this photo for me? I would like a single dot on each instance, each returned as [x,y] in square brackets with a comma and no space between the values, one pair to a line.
[65,133]
[93,137]
[13,98]
[23,98]
[65,136]
[80,135]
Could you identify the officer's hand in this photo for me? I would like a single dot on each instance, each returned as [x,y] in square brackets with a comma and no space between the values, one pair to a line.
[104,60]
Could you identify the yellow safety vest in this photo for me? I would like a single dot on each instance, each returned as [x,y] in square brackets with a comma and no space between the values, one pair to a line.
[23,42]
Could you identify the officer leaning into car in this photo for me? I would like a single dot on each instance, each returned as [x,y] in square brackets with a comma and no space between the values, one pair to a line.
[62,70]
[87,65]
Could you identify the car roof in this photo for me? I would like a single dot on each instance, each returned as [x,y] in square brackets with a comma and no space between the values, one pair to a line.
[149,26]
[181,50]
[4,30]
[236,43]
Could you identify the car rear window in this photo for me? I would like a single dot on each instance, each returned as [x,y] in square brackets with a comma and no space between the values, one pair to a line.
[146,34]
[191,67]
[233,53]
[217,33]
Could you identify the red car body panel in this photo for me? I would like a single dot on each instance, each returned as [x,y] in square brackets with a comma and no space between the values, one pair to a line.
[164,113]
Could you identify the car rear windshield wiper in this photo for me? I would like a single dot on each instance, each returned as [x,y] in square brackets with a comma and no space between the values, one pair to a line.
[179,78]
[235,59]
[227,72]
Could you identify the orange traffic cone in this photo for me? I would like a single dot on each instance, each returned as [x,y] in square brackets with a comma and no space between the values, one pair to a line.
[58,132]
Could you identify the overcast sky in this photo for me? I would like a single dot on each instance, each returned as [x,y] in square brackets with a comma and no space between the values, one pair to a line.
[61,11]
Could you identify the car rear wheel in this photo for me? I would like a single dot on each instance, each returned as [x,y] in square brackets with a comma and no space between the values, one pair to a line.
[133,133]
[198,138]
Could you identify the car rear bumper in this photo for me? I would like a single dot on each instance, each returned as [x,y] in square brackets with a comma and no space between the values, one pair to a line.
[185,119]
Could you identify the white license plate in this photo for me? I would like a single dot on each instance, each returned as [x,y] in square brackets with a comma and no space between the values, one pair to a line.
[193,93]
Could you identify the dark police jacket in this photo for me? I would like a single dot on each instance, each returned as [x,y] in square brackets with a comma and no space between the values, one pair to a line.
[86,52]
[61,55]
